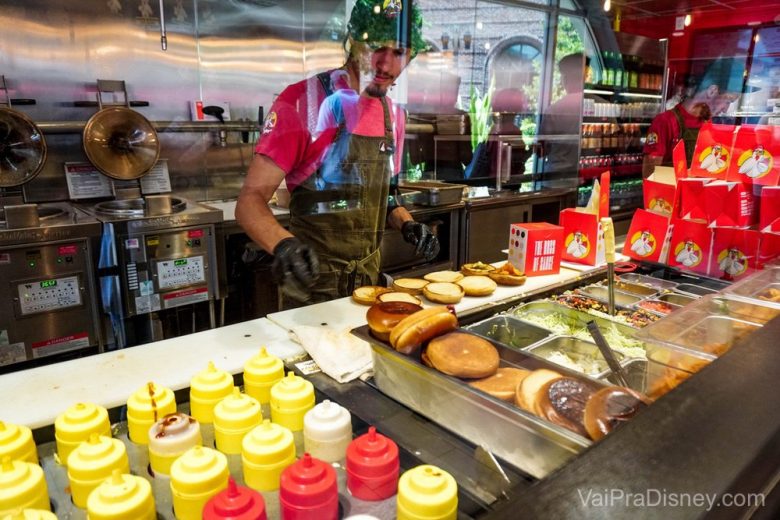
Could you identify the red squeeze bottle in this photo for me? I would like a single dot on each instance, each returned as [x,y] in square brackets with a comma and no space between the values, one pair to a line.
[235,503]
[308,491]
[372,466]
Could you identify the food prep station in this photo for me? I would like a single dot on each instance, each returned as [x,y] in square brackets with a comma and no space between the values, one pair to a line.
[496,451]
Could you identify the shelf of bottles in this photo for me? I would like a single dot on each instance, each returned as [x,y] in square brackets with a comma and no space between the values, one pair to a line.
[620,102]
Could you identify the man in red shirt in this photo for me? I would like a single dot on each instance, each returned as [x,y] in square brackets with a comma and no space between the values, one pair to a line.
[336,139]
[719,87]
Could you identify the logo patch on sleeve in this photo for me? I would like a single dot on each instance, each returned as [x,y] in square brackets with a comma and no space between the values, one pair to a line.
[652,138]
[270,123]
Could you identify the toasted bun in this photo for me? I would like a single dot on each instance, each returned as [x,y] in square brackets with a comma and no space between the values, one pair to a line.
[414,330]
[383,316]
[507,274]
[528,387]
[609,408]
[410,285]
[367,295]
[463,355]
[443,292]
[562,401]
[398,296]
[503,384]
[477,285]
[443,276]
[477,269]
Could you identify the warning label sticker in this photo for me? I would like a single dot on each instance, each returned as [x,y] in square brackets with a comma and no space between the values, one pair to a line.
[57,345]
[185,297]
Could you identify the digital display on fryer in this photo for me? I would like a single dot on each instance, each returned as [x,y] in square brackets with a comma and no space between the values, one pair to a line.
[45,284]
[183,261]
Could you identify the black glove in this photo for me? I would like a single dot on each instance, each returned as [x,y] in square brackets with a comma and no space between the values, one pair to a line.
[295,268]
[422,237]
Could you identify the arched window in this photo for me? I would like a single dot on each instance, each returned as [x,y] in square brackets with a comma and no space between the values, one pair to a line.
[514,65]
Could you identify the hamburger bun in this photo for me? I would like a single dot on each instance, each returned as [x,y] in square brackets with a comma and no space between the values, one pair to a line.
[443,292]
[414,330]
[609,408]
[443,276]
[367,295]
[477,269]
[507,274]
[398,296]
[463,355]
[383,316]
[562,401]
[477,285]
[409,285]
[503,383]
[525,396]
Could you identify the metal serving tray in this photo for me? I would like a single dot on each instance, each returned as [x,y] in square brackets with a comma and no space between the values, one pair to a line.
[577,350]
[527,442]
[510,331]
[600,292]
[762,287]
[677,298]
[693,289]
[672,306]
[656,283]
[637,289]
[575,323]
[436,193]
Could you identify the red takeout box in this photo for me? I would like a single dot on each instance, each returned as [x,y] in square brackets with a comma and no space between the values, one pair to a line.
[734,252]
[769,201]
[583,240]
[713,153]
[660,191]
[690,245]
[756,151]
[535,248]
[729,204]
[692,198]
[647,236]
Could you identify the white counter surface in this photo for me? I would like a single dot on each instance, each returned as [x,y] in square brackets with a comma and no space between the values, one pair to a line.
[345,313]
[36,396]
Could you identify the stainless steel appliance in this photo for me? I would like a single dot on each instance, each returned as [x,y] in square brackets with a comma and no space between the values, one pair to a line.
[49,302]
[164,263]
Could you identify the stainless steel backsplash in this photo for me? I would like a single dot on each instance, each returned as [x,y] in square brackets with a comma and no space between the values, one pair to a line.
[237,51]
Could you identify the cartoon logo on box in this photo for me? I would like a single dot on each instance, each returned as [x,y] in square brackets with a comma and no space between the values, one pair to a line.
[643,243]
[755,163]
[688,253]
[577,245]
[732,262]
[660,205]
[714,158]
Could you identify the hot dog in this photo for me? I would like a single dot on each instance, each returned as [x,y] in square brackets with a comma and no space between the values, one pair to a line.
[412,331]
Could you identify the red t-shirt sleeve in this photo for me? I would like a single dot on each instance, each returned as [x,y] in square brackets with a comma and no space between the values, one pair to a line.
[660,139]
[284,136]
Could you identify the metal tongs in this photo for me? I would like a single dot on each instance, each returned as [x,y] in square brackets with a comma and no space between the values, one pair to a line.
[613,363]
[609,254]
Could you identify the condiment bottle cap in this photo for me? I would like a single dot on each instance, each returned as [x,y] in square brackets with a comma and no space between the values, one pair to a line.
[235,503]
[308,483]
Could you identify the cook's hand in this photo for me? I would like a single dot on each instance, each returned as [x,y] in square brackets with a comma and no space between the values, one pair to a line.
[295,268]
[422,237]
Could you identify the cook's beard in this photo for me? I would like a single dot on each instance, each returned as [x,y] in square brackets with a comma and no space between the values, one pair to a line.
[374,90]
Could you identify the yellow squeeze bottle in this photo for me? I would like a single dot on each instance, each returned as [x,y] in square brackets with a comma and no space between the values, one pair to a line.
[122,497]
[291,398]
[16,441]
[261,372]
[207,388]
[266,451]
[92,463]
[30,514]
[234,417]
[169,438]
[22,486]
[75,425]
[197,476]
[145,407]
[427,493]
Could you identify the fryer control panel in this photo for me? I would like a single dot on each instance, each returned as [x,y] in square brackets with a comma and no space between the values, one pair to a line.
[49,295]
[180,272]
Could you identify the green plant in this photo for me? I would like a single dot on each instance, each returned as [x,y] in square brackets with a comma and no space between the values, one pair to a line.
[479,113]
